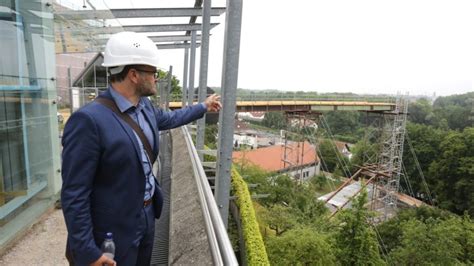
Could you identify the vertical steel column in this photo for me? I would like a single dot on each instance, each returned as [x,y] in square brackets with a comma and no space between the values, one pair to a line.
[201,123]
[226,118]
[192,66]
[168,88]
[161,250]
[69,84]
[185,78]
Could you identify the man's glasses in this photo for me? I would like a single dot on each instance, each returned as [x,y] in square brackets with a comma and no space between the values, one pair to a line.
[156,73]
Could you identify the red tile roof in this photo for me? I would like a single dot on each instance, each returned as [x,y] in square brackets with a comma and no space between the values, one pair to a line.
[270,158]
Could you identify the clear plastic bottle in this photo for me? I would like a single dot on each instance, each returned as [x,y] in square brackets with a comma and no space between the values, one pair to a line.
[108,246]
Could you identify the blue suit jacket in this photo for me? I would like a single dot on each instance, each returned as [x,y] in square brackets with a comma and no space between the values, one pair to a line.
[103,179]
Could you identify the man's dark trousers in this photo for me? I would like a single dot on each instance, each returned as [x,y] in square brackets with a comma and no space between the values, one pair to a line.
[140,252]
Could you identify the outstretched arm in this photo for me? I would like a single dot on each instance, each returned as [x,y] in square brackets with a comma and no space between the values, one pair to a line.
[183,116]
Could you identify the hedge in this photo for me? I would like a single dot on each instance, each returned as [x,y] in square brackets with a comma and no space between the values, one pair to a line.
[256,253]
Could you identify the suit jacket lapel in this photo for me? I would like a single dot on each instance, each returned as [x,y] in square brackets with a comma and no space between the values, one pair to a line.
[125,127]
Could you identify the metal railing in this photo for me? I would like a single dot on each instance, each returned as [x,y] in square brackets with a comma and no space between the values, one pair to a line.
[221,248]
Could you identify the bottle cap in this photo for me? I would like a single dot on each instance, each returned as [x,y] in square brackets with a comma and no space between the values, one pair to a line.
[109,235]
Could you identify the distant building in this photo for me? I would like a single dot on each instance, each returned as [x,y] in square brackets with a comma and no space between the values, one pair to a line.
[344,148]
[251,116]
[244,135]
[298,159]
[303,123]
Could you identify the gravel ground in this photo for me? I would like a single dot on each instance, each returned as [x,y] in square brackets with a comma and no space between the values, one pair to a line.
[43,244]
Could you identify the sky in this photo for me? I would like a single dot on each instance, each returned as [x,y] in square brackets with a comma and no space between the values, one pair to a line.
[420,47]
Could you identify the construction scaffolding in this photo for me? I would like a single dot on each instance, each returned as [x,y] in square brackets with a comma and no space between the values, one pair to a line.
[390,160]
[382,179]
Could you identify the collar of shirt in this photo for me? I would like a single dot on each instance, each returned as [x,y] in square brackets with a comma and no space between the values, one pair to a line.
[124,104]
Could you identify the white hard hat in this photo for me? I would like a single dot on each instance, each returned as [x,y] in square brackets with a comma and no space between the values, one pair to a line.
[129,48]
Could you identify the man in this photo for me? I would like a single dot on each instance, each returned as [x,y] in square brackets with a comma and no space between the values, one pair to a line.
[108,183]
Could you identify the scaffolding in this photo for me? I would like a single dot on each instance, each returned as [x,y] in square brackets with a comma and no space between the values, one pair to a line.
[383,176]
[386,187]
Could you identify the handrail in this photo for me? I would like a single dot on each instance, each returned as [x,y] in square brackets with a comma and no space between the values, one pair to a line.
[221,248]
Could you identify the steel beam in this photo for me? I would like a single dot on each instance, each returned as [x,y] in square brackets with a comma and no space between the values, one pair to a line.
[156,39]
[192,66]
[140,28]
[230,73]
[185,77]
[176,45]
[201,123]
[173,38]
[134,13]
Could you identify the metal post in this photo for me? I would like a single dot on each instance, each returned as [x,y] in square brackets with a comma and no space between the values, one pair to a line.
[168,89]
[201,123]
[161,249]
[185,78]
[69,83]
[226,118]
[192,65]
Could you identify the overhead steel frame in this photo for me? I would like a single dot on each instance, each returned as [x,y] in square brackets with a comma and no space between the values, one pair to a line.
[95,36]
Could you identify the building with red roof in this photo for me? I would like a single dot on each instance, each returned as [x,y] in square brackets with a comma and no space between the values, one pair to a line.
[298,159]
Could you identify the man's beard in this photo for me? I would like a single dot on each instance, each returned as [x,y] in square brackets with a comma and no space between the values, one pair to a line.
[146,89]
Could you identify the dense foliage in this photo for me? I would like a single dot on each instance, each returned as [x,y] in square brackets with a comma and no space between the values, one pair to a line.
[255,250]
[297,228]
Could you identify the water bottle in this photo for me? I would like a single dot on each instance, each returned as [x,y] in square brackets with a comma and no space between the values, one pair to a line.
[108,246]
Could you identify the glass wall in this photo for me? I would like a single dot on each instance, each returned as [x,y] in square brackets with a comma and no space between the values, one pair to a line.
[29,142]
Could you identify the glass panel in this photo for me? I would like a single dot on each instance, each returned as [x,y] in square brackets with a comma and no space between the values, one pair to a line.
[26,92]
[75,34]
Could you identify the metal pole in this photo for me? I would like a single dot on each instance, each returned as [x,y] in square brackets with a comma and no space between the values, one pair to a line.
[192,66]
[185,77]
[226,118]
[69,87]
[168,89]
[201,123]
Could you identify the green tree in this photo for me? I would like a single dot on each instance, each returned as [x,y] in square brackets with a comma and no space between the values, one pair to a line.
[429,243]
[329,155]
[302,246]
[363,152]
[280,189]
[391,231]
[307,207]
[425,141]
[454,172]
[318,182]
[210,136]
[421,112]
[343,123]
[274,120]
[455,110]
[279,218]
[356,241]
[176,89]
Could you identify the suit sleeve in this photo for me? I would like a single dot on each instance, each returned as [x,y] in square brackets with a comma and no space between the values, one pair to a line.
[81,153]
[179,117]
